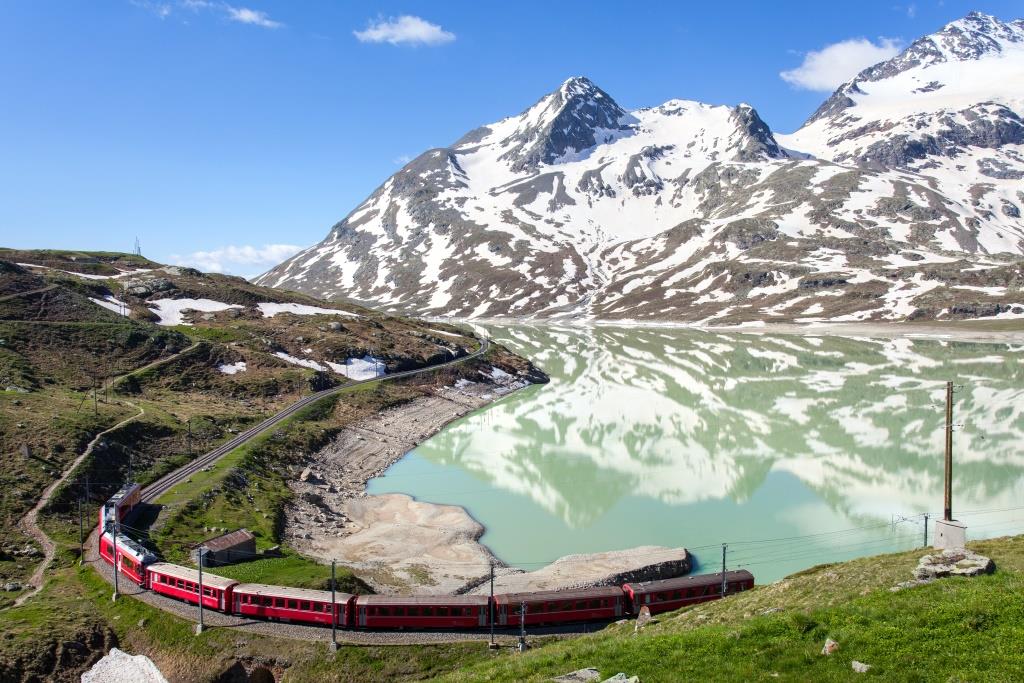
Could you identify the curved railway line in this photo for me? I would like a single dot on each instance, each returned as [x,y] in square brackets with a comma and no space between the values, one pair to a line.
[169,481]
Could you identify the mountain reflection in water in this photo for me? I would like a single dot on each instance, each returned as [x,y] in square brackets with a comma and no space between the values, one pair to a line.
[682,437]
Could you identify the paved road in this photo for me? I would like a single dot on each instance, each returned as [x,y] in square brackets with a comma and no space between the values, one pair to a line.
[169,481]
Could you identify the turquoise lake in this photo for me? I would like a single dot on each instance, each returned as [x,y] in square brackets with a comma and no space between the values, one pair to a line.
[793,450]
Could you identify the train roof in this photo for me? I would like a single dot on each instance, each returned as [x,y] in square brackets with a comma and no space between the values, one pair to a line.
[133,547]
[122,493]
[289,592]
[428,600]
[552,596]
[689,581]
[188,574]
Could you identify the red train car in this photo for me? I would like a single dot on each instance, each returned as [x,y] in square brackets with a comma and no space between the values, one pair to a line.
[132,558]
[670,594]
[553,607]
[183,583]
[291,604]
[124,501]
[438,611]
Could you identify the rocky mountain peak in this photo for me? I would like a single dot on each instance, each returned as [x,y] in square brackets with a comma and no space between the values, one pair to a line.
[571,119]
[974,36]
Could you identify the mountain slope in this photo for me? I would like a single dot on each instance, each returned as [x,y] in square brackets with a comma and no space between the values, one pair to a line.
[577,208]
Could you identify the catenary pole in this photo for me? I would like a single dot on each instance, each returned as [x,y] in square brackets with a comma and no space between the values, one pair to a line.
[199,626]
[334,616]
[117,529]
[926,530]
[490,607]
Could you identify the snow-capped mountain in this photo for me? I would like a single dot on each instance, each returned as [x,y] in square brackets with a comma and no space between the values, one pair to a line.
[686,211]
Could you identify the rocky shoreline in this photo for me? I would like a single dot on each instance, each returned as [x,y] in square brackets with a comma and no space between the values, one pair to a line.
[401,545]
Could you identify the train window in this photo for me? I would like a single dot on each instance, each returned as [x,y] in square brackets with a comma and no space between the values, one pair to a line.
[293,604]
[594,604]
[442,611]
[304,605]
[428,611]
[317,607]
[581,604]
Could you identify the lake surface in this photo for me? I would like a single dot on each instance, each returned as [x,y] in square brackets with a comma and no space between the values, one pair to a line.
[794,450]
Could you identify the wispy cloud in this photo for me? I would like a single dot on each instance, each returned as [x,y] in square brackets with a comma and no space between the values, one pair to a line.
[244,15]
[241,15]
[404,30]
[402,159]
[831,66]
[245,259]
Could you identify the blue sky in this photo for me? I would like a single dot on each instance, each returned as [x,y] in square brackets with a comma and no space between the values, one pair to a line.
[214,130]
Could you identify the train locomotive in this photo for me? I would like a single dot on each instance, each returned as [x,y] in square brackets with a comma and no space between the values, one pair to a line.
[344,610]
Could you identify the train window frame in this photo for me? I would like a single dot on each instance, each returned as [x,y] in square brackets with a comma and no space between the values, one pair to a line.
[304,605]
[428,611]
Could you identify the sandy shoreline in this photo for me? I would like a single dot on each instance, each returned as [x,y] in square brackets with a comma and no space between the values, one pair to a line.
[400,545]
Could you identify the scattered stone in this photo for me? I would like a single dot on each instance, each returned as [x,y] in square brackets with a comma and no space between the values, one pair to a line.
[622,678]
[913,583]
[12,586]
[860,667]
[953,562]
[642,619]
[770,610]
[830,647]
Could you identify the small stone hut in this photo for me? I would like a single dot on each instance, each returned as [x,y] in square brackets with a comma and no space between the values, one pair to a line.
[234,546]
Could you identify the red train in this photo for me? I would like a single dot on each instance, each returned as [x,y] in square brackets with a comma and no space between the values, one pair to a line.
[301,605]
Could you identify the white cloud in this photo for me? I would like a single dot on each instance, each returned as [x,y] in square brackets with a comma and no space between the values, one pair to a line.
[831,66]
[404,30]
[243,259]
[244,15]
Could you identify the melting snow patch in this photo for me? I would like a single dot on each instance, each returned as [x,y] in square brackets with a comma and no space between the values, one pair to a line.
[269,310]
[170,310]
[366,367]
[111,304]
[304,362]
[232,368]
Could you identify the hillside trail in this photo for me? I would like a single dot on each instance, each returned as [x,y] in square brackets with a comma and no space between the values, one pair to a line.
[29,292]
[30,522]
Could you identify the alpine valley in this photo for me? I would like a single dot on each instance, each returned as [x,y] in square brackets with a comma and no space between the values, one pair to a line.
[900,198]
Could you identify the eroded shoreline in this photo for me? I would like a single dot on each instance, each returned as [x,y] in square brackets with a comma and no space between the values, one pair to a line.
[401,545]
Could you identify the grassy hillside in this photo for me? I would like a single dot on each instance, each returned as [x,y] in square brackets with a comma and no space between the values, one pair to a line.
[951,630]
[71,367]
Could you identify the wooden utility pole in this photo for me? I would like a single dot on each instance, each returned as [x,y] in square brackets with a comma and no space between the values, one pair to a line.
[948,510]
[81,533]
[724,583]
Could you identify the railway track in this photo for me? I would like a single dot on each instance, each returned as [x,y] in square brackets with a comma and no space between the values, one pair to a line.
[169,481]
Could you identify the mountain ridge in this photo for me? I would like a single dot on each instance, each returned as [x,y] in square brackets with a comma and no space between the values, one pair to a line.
[579,209]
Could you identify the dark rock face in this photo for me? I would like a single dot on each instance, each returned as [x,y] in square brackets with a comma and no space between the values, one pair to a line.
[759,143]
[583,111]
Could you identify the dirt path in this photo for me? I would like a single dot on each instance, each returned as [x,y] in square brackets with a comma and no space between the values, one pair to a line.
[29,523]
[28,293]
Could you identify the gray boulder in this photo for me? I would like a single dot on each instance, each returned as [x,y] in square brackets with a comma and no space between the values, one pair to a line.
[953,562]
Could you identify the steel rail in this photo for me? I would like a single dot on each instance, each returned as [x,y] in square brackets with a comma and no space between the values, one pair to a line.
[172,479]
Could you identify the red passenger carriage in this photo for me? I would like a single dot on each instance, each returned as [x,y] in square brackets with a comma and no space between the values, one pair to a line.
[438,611]
[132,557]
[123,502]
[183,583]
[554,607]
[670,594]
[291,604]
